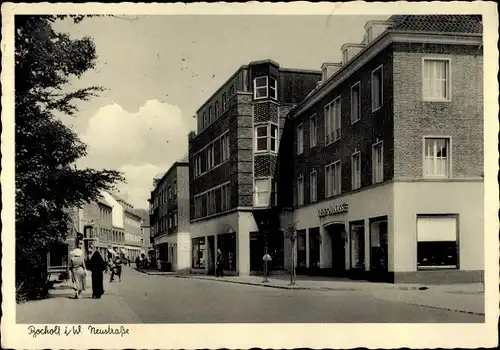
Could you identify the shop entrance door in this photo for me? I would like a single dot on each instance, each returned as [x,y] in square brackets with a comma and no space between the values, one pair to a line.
[357,250]
[337,235]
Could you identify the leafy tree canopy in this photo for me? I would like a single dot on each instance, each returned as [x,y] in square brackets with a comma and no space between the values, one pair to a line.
[47,180]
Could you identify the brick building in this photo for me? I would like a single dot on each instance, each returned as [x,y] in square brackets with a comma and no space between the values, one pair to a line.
[233,166]
[387,156]
[169,216]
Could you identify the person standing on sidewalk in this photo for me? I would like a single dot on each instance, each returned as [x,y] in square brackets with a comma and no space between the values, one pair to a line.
[97,265]
[267,258]
[219,272]
[78,271]
[116,269]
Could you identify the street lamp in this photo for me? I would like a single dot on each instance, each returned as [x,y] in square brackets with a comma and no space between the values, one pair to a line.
[263,224]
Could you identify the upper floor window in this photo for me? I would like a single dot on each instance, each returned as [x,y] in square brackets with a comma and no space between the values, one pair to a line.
[260,88]
[266,138]
[356,170]
[274,192]
[174,189]
[437,157]
[333,179]
[332,121]
[205,119]
[210,114]
[225,147]
[300,139]
[355,103]
[262,192]
[313,131]
[377,88]
[210,156]
[175,219]
[264,87]
[169,192]
[436,79]
[231,90]
[378,162]
[217,109]
[224,102]
[313,187]
[225,197]
[300,190]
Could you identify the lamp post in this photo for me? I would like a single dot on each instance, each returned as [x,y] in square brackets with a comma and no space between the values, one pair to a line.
[265,229]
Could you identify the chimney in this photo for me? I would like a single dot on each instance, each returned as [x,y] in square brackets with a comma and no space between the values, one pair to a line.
[329,69]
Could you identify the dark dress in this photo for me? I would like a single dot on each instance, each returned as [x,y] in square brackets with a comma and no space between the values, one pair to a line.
[97,265]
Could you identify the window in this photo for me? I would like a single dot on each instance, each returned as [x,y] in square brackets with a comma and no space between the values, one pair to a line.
[175,218]
[174,189]
[210,156]
[169,220]
[197,165]
[274,193]
[262,192]
[225,197]
[231,91]
[211,202]
[436,79]
[313,187]
[332,121]
[260,88]
[266,138]
[437,246]
[199,253]
[312,131]
[378,162]
[356,170]
[205,119]
[225,147]
[224,102]
[198,207]
[273,88]
[436,157]
[333,180]
[377,89]
[169,192]
[217,109]
[300,191]
[210,114]
[355,103]
[300,139]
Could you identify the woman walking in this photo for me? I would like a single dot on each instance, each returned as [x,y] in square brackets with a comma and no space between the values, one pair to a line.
[78,271]
[97,265]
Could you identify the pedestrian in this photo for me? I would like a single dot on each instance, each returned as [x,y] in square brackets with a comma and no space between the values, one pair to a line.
[267,258]
[137,262]
[78,271]
[97,265]
[219,272]
[116,270]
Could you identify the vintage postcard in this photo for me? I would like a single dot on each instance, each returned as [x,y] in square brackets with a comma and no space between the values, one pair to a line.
[238,175]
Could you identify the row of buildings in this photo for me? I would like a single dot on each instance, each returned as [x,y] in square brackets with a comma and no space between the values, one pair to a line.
[376,161]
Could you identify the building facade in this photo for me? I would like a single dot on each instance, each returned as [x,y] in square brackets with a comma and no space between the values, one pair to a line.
[233,159]
[169,216]
[387,156]
[145,231]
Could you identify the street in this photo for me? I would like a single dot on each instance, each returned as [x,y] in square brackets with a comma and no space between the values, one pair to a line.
[142,298]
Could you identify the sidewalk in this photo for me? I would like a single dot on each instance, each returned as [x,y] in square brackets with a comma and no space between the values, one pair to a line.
[62,307]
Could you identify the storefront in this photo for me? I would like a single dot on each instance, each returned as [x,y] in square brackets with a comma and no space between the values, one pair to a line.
[395,233]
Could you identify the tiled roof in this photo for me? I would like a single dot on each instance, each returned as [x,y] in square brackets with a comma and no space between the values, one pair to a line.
[438,23]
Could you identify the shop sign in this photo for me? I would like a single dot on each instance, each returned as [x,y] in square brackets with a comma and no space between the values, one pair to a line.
[336,209]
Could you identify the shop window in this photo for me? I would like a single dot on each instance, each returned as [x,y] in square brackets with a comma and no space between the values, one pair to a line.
[437,246]
[301,248]
[378,244]
[314,247]
[357,245]
[199,253]
[227,244]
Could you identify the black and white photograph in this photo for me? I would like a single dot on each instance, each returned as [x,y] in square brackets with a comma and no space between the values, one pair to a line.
[270,175]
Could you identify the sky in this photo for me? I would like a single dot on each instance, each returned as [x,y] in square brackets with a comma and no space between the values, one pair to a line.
[159,69]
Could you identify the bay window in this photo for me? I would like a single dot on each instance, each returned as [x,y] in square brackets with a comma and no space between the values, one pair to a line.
[266,138]
[262,192]
[264,87]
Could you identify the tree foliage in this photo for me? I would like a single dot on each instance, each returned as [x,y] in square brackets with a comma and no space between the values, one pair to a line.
[48,183]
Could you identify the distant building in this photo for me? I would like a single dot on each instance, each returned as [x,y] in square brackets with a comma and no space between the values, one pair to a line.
[169,216]
[145,230]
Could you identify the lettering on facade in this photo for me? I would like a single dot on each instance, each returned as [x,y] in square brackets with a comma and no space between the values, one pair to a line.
[336,209]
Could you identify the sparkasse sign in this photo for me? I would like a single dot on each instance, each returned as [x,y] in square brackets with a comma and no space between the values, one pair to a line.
[336,209]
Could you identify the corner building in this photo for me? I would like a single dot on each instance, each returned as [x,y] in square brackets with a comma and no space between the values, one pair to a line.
[388,156]
[234,161]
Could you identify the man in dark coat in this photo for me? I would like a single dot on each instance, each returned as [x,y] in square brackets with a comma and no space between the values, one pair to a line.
[97,265]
